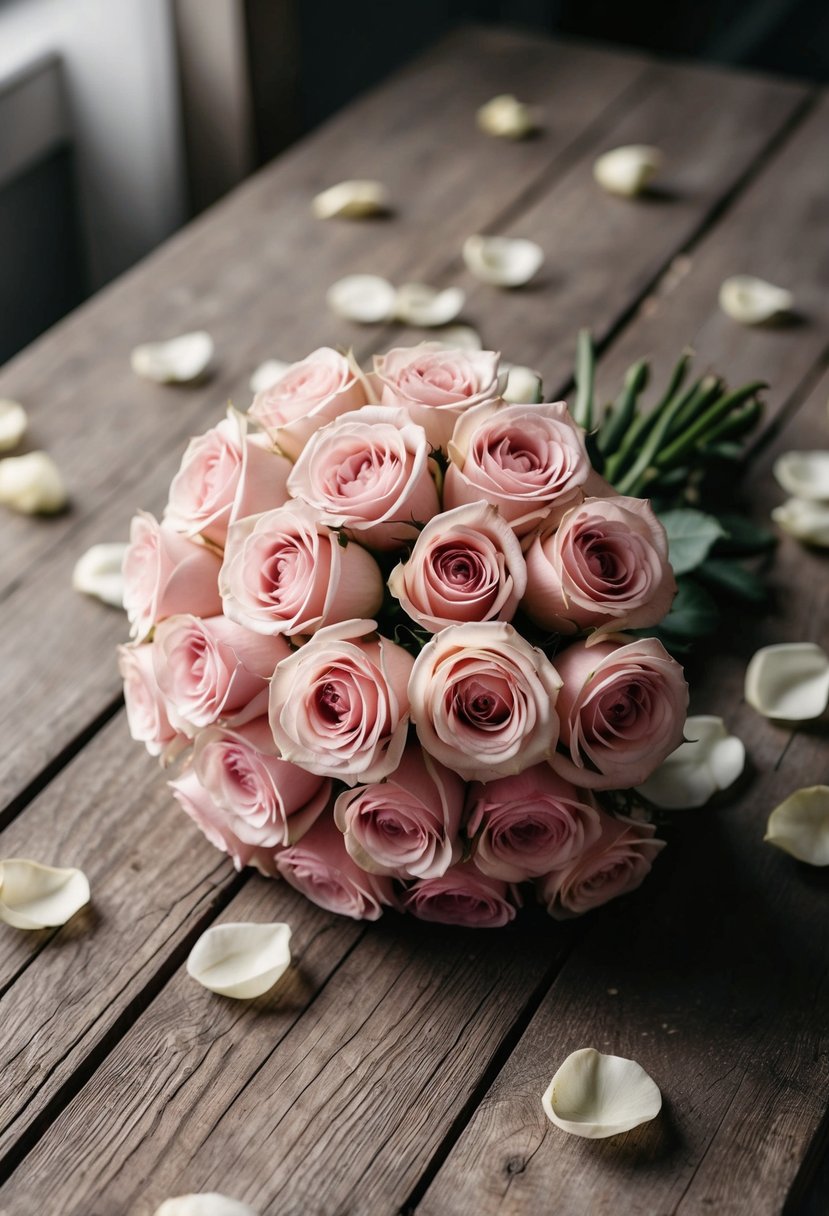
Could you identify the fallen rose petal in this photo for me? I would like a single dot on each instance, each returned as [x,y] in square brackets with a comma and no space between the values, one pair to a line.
[627,170]
[34,896]
[32,484]
[12,424]
[419,304]
[506,117]
[596,1095]
[267,374]
[800,825]
[805,520]
[789,681]
[460,337]
[501,260]
[208,1203]
[710,760]
[99,573]
[240,960]
[176,361]
[523,385]
[362,297]
[353,200]
[753,301]
[804,474]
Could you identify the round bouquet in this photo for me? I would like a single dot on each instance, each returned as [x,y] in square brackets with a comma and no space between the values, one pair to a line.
[393,629]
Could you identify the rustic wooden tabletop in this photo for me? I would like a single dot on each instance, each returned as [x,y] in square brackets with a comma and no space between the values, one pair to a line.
[401,1068]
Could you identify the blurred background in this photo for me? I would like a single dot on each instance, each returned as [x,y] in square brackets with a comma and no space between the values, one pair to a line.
[121,119]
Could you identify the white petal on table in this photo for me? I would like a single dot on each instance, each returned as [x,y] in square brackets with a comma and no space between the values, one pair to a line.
[460,337]
[800,825]
[32,484]
[709,761]
[175,361]
[805,520]
[34,896]
[99,572]
[267,374]
[628,170]
[788,681]
[241,960]
[207,1203]
[804,474]
[501,260]
[753,301]
[354,200]
[13,424]
[523,386]
[419,304]
[366,298]
[595,1095]
[506,117]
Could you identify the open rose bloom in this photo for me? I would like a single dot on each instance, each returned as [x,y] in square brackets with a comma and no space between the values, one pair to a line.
[380,635]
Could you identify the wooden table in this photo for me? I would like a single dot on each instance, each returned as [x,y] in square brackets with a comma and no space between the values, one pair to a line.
[401,1067]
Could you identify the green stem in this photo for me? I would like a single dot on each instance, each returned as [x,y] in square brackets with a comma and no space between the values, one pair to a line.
[707,422]
[620,415]
[710,388]
[644,422]
[641,466]
[585,379]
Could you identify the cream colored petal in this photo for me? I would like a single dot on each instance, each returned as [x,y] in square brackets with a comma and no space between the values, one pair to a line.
[34,896]
[176,361]
[32,484]
[418,304]
[13,423]
[710,760]
[627,170]
[241,960]
[789,681]
[523,386]
[353,200]
[804,474]
[501,260]
[754,301]
[805,520]
[362,297]
[267,373]
[595,1095]
[460,337]
[800,825]
[208,1203]
[507,118]
[99,573]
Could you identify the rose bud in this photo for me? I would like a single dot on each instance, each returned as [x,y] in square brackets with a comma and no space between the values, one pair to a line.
[527,460]
[285,572]
[462,896]
[225,475]
[320,867]
[166,574]
[369,472]
[606,565]
[483,700]
[614,864]
[194,799]
[145,705]
[407,825]
[466,565]
[622,711]
[267,801]
[526,825]
[339,705]
[306,396]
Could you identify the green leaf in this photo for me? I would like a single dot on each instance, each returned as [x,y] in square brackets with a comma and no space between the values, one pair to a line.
[694,613]
[690,537]
[734,579]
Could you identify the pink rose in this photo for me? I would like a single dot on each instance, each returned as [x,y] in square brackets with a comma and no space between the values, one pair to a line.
[266,801]
[483,700]
[462,896]
[606,565]
[526,825]
[369,472]
[308,395]
[615,864]
[164,574]
[466,565]
[338,705]
[622,711]
[193,798]
[225,475]
[146,710]
[527,460]
[213,669]
[285,572]
[437,385]
[320,867]
[407,825]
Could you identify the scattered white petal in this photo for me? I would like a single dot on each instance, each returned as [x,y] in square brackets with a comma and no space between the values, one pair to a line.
[32,484]
[800,825]
[628,170]
[362,297]
[176,361]
[507,118]
[353,200]
[34,896]
[595,1095]
[523,385]
[460,337]
[754,301]
[241,960]
[804,519]
[12,424]
[502,260]
[710,760]
[789,681]
[804,474]
[209,1203]
[418,304]
[267,373]
[99,573]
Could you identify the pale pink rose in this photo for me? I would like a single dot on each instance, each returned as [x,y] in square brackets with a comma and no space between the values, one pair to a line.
[339,705]
[145,705]
[484,700]
[225,475]
[165,574]
[622,709]
[320,867]
[529,461]
[606,565]
[462,896]
[285,572]
[267,801]
[211,670]
[616,863]
[370,473]
[306,396]
[407,825]
[437,385]
[193,798]
[527,825]
[466,565]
